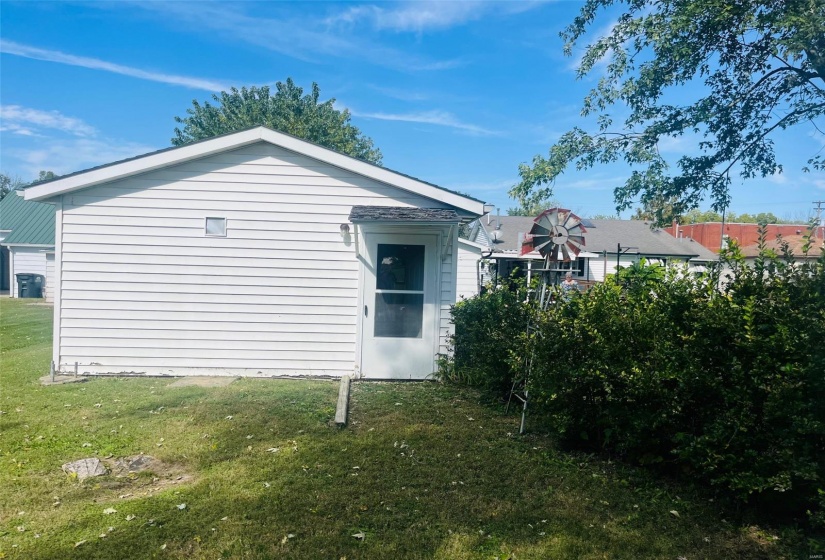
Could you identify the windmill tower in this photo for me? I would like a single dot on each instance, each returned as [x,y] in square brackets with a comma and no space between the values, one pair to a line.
[558,235]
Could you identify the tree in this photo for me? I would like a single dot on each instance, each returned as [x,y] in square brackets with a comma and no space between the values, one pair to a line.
[287,110]
[533,208]
[9,183]
[758,65]
[45,176]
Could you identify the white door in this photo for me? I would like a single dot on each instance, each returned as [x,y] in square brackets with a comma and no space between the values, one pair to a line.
[398,334]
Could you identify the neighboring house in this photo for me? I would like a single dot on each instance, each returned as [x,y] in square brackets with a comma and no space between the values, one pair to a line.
[253,253]
[608,244]
[469,272]
[713,234]
[26,242]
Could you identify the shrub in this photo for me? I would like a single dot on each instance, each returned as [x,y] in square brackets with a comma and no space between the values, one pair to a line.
[489,332]
[725,385]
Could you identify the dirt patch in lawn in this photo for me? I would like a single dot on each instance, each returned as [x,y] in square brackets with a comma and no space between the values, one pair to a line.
[141,475]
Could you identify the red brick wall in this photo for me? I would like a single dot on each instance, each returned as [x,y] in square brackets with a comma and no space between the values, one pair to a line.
[709,233]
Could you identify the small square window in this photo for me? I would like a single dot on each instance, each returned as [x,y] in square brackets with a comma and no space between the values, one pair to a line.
[216,227]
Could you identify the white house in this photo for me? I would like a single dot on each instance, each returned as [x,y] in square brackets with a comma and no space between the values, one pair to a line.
[609,245]
[26,245]
[254,253]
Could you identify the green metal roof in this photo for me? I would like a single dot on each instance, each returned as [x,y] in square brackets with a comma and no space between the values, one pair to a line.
[31,223]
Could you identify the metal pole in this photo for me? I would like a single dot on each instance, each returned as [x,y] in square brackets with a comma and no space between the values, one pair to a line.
[75,369]
[51,371]
[618,256]
[722,233]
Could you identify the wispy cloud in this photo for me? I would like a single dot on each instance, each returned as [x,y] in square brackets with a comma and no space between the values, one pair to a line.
[413,16]
[429,15]
[36,140]
[73,154]
[24,121]
[296,35]
[17,49]
[438,118]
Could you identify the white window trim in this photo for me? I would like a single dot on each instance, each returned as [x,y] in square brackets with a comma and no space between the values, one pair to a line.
[206,231]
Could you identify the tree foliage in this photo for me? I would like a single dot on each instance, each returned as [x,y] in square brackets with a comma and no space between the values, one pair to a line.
[286,110]
[758,65]
[533,208]
[9,183]
[697,216]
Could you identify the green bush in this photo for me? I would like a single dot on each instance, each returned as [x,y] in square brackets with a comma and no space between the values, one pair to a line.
[489,332]
[725,385]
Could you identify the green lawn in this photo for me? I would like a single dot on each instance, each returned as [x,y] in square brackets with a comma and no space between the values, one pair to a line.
[423,471]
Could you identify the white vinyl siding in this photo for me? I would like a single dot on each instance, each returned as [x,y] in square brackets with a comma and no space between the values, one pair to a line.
[145,291]
[50,279]
[28,260]
[467,272]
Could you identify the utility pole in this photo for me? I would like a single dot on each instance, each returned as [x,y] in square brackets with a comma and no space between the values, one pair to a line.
[818,209]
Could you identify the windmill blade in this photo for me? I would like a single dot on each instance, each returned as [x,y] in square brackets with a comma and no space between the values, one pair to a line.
[539,229]
[574,249]
[544,245]
[577,239]
[565,253]
[571,222]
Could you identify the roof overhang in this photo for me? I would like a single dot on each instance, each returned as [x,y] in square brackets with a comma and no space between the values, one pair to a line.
[403,215]
[205,148]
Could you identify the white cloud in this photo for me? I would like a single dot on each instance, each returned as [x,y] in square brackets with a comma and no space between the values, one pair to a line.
[73,154]
[777,179]
[24,121]
[35,140]
[299,36]
[438,118]
[419,16]
[495,187]
[17,49]
[413,16]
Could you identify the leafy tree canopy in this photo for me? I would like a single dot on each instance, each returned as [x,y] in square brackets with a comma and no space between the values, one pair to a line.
[287,110]
[533,208]
[697,216]
[761,66]
[9,183]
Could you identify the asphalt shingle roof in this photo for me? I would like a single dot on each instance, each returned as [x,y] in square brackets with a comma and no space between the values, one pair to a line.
[401,214]
[604,235]
[31,223]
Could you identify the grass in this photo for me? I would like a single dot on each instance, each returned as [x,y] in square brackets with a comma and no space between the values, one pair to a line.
[423,471]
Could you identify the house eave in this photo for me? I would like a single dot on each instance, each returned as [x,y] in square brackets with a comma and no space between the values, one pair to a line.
[189,152]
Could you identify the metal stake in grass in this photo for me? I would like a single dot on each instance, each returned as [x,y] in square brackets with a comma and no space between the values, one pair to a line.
[51,371]
[75,369]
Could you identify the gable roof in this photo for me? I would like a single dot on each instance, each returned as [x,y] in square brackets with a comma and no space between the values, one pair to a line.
[31,223]
[196,150]
[603,236]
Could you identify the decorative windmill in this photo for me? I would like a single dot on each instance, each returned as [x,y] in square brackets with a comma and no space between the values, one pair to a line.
[558,235]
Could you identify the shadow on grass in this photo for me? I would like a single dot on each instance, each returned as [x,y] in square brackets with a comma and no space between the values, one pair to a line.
[422,472]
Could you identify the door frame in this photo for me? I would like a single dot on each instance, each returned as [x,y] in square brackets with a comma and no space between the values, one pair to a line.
[368,230]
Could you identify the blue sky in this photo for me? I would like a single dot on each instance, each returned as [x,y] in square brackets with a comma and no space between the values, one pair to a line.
[456,93]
